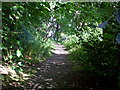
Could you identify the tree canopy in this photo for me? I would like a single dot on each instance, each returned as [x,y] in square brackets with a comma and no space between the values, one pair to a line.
[89,30]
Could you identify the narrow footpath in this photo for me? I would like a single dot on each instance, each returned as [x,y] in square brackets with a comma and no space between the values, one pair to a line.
[56,73]
[53,72]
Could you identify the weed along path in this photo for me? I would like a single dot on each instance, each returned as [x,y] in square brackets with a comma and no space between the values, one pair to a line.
[56,73]
[53,72]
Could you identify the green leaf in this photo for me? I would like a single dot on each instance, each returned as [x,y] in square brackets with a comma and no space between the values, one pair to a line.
[109,36]
[18,53]
[10,56]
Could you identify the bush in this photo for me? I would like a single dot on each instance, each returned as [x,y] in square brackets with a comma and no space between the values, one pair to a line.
[71,41]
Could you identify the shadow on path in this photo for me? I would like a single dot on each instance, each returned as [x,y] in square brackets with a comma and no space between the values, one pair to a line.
[56,73]
[53,72]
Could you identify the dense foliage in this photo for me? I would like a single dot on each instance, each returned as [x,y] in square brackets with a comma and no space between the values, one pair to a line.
[88,30]
[24,40]
[94,49]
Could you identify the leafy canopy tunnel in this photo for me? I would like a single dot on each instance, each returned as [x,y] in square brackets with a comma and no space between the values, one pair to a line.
[88,30]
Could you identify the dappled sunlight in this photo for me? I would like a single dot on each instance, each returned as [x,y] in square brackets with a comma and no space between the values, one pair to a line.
[59,52]
[39,38]
[59,49]
[51,73]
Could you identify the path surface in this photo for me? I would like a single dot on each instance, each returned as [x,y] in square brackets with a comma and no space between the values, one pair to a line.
[52,73]
[56,73]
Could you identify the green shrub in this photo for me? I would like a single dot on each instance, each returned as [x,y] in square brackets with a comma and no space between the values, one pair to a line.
[71,41]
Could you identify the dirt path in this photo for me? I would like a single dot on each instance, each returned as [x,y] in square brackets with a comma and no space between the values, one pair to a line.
[56,73]
[52,73]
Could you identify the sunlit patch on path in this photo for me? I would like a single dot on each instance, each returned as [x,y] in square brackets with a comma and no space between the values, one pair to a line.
[59,49]
[52,72]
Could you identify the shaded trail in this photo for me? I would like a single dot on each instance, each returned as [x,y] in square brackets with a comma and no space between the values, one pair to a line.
[52,73]
[56,73]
